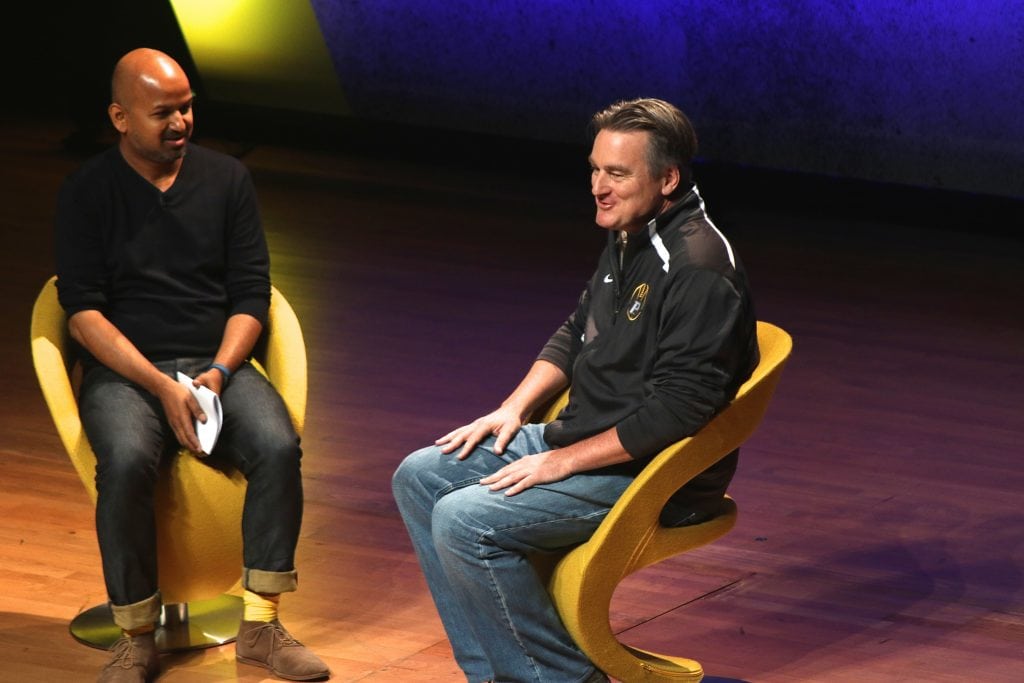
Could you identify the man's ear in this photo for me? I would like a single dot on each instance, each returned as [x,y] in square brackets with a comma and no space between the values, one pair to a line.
[118,116]
[670,181]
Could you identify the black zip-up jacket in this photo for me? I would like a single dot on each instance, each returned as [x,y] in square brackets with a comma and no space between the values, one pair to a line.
[658,345]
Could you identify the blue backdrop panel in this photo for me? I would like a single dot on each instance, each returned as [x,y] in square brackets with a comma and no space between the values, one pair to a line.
[927,92]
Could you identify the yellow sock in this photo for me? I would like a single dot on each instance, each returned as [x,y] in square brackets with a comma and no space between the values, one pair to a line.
[259,607]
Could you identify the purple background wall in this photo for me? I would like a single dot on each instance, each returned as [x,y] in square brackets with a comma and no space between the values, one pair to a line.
[927,93]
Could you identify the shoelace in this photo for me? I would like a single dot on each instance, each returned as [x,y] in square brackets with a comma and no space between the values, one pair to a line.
[276,632]
[124,653]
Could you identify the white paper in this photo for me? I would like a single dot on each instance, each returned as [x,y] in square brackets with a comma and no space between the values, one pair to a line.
[210,403]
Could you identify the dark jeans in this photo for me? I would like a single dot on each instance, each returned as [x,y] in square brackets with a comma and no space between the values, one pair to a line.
[129,433]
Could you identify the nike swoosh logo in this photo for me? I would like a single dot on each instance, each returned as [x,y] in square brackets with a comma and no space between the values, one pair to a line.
[608,279]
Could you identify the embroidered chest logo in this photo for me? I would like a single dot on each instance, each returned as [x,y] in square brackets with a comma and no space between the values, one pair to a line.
[636,302]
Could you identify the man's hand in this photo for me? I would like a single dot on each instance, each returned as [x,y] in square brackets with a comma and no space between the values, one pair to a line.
[212,379]
[503,423]
[530,470]
[182,409]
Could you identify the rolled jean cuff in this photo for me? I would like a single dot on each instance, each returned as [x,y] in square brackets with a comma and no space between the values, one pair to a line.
[269,583]
[138,614]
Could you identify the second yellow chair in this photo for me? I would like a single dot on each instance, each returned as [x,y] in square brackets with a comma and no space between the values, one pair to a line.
[631,537]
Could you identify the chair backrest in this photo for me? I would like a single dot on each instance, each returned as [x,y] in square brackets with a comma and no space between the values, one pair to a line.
[283,357]
[53,364]
[630,537]
[200,507]
[634,521]
[641,504]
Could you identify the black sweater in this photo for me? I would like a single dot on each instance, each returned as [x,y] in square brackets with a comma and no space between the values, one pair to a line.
[657,347]
[166,268]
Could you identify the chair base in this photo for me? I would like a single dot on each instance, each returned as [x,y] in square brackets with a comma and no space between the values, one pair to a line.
[193,626]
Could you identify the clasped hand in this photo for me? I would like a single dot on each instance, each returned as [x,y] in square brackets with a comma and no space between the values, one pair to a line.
[182,409]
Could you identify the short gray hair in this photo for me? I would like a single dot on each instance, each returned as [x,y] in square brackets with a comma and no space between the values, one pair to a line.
[673,141]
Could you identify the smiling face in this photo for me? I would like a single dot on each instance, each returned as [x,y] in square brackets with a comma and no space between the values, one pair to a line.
[626,192]
[153,110]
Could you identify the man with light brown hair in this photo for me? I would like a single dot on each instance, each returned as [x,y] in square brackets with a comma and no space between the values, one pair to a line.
[662,338]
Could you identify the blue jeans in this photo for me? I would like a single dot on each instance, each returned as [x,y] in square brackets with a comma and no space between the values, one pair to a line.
[472,544]
[130,435]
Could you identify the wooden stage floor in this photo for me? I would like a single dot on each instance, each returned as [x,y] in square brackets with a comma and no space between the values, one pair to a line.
[881,532]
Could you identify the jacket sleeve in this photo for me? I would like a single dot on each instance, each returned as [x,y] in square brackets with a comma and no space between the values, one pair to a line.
[701,358]
[565,344]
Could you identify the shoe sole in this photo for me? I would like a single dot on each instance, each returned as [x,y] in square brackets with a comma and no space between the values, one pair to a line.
[264,665]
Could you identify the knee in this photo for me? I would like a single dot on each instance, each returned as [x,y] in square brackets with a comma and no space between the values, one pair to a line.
[456,521]
[126,468]
[277,455]
[409,476]
[405,473]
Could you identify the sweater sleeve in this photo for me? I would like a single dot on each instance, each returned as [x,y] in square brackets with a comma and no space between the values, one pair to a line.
[248,259]
[81,283]
[702,357]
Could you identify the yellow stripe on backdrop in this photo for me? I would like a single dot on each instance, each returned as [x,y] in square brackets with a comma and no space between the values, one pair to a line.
[261,52]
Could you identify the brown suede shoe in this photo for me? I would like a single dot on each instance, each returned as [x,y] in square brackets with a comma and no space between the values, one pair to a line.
[269,645]
[135,660]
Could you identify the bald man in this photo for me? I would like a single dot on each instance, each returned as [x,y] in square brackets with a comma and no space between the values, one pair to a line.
[162,267]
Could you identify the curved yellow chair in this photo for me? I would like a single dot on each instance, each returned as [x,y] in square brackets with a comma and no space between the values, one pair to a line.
[630,537]
[199,506]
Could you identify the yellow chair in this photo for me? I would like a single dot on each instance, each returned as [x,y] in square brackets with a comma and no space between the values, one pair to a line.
[631,538]
[199,506]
